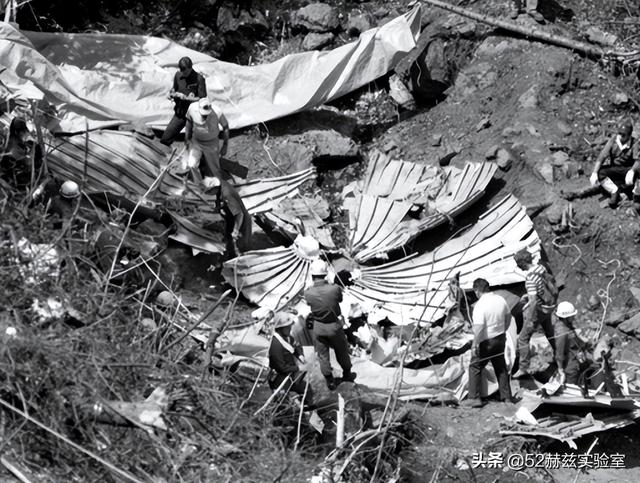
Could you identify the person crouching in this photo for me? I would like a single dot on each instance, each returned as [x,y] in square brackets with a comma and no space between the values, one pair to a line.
[284,355]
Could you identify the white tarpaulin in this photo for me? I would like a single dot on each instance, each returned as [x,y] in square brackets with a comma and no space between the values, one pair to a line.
[110,79]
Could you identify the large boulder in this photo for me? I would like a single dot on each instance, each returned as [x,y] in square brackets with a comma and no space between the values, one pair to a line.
[251,22]
[359,23]
[325,148]
[316,17]
[316,41]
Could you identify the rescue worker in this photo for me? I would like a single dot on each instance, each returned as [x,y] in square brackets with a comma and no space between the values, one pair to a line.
[284,356]
[201,138]
[618,156]
[188,87]
[531,8]
[324,298]
[571,350]
[539,304]
[237,218]
[491,319]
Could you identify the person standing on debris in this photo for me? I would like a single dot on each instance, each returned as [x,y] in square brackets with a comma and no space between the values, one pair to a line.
[237,218]
[571,350]
[541,299]
[201,137]
[531,7]
[188,87]
[324,298]
[491,319]
[284,355]
[619,155]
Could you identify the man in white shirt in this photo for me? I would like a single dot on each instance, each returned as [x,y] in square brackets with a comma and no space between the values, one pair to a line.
[491,319]
[201,136]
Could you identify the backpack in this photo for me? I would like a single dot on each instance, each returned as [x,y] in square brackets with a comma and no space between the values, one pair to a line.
[549,294]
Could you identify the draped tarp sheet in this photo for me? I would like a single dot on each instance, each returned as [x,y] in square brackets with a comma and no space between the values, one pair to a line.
[109,79]
[450,378]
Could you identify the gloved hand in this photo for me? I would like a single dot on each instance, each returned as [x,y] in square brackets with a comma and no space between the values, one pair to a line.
[628,179]
[593,179]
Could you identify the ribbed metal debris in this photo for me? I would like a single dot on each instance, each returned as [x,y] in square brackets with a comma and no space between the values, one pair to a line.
[271,278]
[567,428]
[127,163]
[415,288]
[379,207]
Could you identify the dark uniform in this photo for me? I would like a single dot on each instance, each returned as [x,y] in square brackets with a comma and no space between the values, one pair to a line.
[194,84]
[283,364]
[324,299]
[234,211]
[571,353]
[618,160]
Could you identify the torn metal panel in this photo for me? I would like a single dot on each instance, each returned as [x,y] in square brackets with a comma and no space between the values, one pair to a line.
[127,164]
[265,194]
[271,278]
[192,235]
[567,428]
[571,395]
[379,218]
[310,211]
[415,288]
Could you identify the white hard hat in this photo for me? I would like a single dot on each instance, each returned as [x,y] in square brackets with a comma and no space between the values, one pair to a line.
[164,299]
[204,106]
[319,268]
[70,189]
[282,319]
[565,310]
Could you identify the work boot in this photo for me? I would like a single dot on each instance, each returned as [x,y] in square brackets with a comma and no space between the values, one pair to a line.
[472,403]
[614,199]
[535,15]
[349,377]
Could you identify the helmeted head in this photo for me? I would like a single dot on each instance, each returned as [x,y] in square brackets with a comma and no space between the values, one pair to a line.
[319,269]
[204,106]
[566,310]
[70,190]
[211,182]
[185,65]
[480,286]
[625,130]
[283,322]
[523,259]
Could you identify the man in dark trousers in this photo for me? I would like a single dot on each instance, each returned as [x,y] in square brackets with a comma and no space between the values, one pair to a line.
[614,166]
[188,87]
[284,355]
[237,218]
[491,319]
[324,298]
[541,299]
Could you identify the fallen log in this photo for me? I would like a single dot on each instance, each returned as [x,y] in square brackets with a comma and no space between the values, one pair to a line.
[539,34]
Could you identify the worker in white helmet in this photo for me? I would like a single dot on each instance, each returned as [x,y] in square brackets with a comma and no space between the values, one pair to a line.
[572,352]
[324,300]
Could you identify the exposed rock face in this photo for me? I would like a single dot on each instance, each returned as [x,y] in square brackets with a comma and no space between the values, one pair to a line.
[316,41]
[251,22]
[359,23]
[316,17]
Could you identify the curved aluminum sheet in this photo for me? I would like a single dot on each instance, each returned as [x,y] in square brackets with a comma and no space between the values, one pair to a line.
[415,288]
[127,163]
[379,219]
